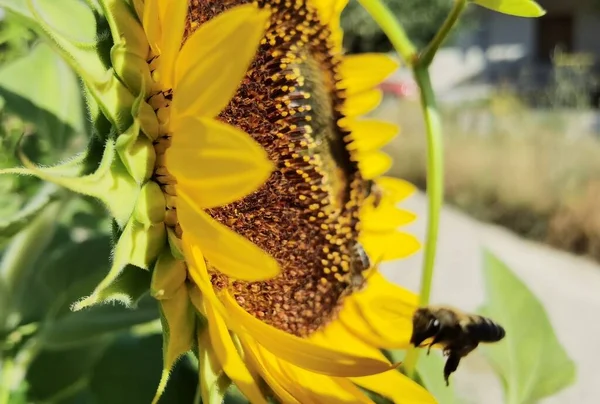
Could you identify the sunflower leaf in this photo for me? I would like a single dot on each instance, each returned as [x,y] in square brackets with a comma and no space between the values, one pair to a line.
[520,8]
[129,371]
[430,371]
[530,360]
[81,36]
[11,226]
[83,327]
[49,97]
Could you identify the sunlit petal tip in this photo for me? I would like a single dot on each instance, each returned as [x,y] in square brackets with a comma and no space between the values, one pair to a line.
[397,189]
[389,246]
[374,164]
[365,71]
[369,134]
[362,103]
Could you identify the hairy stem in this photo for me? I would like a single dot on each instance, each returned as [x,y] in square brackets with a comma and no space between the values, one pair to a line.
[435,193]
[426,56]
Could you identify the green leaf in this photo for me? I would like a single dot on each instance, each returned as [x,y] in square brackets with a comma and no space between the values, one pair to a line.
[54,376]
[531,361]
[430,369]
[82,38]
[520,8]
[19,258]
[82,327]
[17,222]
[65,273]
[129,372]
[430,374]
[49,97]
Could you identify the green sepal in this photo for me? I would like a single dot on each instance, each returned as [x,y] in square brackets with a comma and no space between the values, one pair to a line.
[139,246]
[130,50]
[137,154]
[132,69]
[213,380]
[179,325]
[175,244]
[147,243]
[129,286]
[168,276]
[151,205]
[110,183]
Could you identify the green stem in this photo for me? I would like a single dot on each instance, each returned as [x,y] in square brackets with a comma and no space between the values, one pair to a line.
[435,178]
[392,29]
[426,56]
[435,171]
[435,193]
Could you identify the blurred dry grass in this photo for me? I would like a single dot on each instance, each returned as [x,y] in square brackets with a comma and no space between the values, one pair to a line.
[537,173]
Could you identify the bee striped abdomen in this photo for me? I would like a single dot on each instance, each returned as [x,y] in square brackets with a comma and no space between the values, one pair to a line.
[485,330]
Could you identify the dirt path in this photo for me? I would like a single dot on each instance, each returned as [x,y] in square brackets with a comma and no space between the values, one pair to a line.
[568,286]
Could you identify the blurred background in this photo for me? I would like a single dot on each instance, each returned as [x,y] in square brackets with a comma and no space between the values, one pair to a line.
[520,103]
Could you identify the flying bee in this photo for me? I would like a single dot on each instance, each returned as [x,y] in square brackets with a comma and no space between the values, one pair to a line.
[459,333]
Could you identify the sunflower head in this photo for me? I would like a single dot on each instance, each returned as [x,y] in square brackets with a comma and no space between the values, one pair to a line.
[241,174]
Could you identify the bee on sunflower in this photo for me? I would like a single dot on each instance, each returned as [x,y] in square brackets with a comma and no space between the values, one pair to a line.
[241,173]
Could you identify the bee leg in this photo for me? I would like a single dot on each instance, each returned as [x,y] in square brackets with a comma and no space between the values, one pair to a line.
[433,342]
[451,365]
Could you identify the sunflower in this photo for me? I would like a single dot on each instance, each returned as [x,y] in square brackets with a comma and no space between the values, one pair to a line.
[273,189]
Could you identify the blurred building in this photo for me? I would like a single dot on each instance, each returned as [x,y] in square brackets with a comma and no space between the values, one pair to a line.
[558,52]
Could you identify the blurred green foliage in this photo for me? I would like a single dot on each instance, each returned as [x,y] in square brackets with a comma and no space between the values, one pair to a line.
[420,18]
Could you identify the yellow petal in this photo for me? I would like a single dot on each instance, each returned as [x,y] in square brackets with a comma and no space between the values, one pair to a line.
[396,189]
[301,352]
[214,59]
[216,163]
[268,365]
[138,6]
[365,71]
[175,13]
[373,164]
[362,103]
[151,23]
[335,334]
[382,313]
[384,218]
[353,320]
[229,357]
[370,135]
[230,253]
[389,246]
[306,386]
[396,387]
[329,10]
